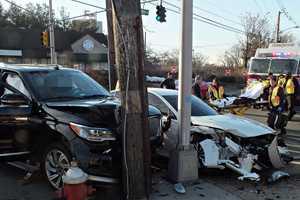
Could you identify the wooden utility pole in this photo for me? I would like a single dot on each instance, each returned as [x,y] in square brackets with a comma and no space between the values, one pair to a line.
[129,48]
[111,47]
[278,28]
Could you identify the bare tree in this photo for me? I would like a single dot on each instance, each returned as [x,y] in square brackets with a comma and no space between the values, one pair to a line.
[257,34]
[232,57]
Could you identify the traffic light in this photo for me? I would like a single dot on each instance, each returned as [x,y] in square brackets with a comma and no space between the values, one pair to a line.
[160,13]
[45,39]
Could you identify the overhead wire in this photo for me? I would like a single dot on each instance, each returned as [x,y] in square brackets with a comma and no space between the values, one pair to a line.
[285,12]
[203,19]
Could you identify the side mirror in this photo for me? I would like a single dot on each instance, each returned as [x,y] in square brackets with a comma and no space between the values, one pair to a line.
[13,100]
[167,124]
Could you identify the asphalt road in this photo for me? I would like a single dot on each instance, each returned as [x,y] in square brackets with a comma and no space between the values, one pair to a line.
[12,187]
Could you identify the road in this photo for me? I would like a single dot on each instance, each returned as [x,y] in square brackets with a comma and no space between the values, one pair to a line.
[13,188]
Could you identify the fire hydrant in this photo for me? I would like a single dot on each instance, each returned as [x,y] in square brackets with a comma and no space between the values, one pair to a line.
[75,187]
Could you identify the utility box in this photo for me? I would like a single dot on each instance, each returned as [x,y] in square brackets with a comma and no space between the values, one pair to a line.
[183,165]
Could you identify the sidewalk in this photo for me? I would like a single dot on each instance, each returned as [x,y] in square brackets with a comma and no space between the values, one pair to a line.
[194,191]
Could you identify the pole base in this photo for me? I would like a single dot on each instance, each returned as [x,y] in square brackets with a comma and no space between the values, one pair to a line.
[183,165]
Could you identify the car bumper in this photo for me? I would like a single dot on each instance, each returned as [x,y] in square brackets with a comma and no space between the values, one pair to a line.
[101,161]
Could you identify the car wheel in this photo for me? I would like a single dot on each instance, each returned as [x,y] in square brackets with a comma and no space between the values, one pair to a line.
[201,156]
[56,162]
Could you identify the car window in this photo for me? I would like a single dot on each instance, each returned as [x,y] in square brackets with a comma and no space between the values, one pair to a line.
[63,84]
[16,82]
[199,108]
[158,103]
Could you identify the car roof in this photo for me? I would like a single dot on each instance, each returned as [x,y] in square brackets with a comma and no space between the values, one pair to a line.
[163,91]
[31,67]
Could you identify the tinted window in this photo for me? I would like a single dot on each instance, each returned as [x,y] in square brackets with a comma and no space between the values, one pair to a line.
[259,66]
[159,104]
[199,108]
[283,66]
[60,84]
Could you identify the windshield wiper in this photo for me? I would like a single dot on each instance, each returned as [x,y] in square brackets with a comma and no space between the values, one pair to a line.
[94,96]
[60,98]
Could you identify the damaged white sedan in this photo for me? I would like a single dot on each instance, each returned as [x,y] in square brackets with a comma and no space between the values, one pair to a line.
[222,141]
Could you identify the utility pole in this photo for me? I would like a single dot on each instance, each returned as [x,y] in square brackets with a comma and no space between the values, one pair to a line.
[129,48]
[112,75]
[246,51]
[183,164]
[278,28]
[51,31]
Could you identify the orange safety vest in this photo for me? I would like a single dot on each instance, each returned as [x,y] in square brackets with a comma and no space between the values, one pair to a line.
[218,94]
[275,99]
[290,87]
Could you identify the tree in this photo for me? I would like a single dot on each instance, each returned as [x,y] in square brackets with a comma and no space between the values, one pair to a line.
[64,23]
[3,17]
[256,34]
[287,38]
[232,57]
[199,61]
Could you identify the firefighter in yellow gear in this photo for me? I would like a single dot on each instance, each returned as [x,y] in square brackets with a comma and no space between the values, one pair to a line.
[215,90]
[290,95]
[277,98]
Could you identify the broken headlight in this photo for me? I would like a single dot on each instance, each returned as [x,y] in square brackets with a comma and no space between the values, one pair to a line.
[92,134]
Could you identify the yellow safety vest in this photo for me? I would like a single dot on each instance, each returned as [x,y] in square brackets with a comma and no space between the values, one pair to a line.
[290,87]
[275,99]
[266,83]
[217,94]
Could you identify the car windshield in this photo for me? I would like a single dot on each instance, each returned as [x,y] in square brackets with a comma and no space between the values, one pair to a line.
[283,66]
[259,66]
[199,108]
[63,85]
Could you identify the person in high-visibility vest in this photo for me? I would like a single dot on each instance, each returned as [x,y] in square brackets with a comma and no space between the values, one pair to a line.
[215,90]
[277,99]
[290,95]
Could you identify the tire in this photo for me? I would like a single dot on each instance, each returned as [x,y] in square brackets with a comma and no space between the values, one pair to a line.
[55,162]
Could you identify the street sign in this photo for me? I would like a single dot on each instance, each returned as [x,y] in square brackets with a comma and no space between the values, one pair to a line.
[145,12]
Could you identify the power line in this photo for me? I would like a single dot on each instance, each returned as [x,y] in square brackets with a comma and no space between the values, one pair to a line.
[196,7]
[215,5]
[217,15]
[12,3]
[258,6]
[201,20]
[88,4]
[206,20]
[285,12]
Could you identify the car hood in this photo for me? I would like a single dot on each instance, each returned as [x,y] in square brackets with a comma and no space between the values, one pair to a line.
[92,112]
[239,126]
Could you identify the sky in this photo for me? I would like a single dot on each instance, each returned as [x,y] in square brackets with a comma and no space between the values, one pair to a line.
[207,39]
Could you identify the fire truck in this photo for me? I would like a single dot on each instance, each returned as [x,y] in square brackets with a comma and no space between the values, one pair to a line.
[278,58]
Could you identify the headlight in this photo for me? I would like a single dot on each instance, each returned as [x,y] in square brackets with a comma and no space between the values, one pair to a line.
[92,134]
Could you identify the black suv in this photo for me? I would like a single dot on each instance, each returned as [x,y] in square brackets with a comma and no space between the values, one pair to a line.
[51,115]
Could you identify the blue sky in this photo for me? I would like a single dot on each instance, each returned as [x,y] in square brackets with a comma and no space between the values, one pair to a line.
[209,40]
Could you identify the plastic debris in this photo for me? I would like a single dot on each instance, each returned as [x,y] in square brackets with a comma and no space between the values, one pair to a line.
[277,176]
[179,188]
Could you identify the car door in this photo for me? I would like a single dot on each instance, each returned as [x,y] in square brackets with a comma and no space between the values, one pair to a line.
[15,109]
[171,135]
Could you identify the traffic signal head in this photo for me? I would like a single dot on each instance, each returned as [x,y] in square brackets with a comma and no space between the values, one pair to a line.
[160,13]
[45,39]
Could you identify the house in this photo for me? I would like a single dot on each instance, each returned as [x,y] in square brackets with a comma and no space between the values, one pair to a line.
[83,50]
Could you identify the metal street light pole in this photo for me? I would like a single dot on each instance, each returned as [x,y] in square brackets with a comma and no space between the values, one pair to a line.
[183,165]
[51,34]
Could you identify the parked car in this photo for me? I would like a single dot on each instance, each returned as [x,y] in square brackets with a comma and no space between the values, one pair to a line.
[52,115]
[222,141]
